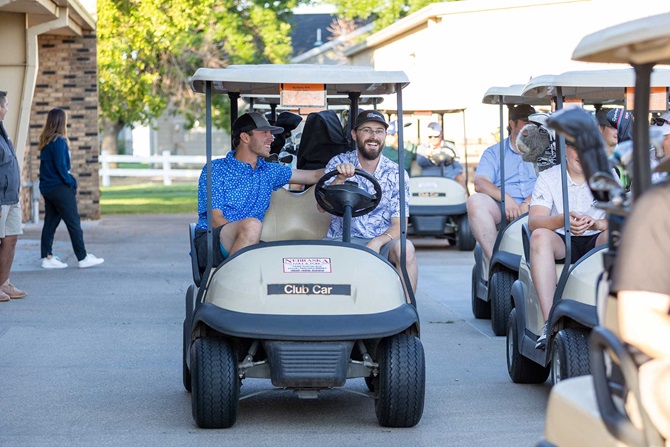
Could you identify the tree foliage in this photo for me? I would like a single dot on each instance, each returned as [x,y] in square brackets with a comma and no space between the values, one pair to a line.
[148,49]
[384,13]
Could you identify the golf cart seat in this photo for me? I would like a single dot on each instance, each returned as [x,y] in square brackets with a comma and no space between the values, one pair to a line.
[294,216]
[195,268]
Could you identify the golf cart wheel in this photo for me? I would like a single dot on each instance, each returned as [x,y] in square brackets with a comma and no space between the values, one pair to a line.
[500,296]
[401,385]
[520,368]
[215,395]
[465,240]
[480,309]
[570,354]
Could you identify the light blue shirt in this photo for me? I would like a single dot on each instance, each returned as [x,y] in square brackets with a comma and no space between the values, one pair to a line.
[520,175]
[378,220]
[239,190]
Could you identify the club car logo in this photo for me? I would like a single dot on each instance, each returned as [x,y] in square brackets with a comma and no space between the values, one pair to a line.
[309,289]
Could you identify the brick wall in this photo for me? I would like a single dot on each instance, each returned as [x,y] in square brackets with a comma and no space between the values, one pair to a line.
[67,78]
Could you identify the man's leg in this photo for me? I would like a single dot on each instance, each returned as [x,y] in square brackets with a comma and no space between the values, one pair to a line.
[239,234]
[545,247]
[7,250]
[484,215]
[410,262]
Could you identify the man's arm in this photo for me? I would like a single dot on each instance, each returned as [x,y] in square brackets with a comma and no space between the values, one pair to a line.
[484,185]
[644,321]
[539,217]
[305,176]
[391,233]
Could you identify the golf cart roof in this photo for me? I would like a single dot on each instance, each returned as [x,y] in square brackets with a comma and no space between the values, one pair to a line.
[511,95]
[591,85]
[641,41]
[267,79]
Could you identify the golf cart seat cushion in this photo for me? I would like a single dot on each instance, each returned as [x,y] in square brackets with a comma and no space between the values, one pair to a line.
[294,216]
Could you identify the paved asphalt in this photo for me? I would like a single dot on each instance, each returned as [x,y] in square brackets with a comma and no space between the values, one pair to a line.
[93,357]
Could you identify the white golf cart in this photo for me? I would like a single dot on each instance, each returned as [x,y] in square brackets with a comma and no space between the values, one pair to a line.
[295,309]
[587,411]
[573,313]
[492,279]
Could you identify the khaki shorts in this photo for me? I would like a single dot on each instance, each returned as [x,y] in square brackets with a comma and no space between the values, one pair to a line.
[10,221]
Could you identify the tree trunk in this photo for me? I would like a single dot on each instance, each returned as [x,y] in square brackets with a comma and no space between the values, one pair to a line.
[110,136]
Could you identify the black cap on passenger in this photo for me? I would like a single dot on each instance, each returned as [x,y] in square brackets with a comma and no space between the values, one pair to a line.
[253,121]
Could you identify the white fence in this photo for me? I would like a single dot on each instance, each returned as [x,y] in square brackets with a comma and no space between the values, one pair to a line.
[166,166]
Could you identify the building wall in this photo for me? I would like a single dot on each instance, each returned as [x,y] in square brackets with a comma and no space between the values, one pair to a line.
[67,78]
[468,47]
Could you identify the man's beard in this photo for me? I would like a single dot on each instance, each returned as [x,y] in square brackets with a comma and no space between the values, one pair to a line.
[369,154]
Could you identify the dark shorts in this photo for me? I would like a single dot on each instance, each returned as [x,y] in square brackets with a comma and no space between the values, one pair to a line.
[580,245]
[200,241]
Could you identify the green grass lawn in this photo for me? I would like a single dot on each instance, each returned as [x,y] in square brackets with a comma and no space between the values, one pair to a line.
[149,199]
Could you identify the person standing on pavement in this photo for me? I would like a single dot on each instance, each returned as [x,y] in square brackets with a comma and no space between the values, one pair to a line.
[10,210]
[59,189]
[484,205]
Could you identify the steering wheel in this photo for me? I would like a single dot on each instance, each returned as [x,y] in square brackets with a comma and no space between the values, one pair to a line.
[443,156]
[336,198]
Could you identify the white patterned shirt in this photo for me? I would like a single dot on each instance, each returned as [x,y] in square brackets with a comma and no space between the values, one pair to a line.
[549,194]
[378,220]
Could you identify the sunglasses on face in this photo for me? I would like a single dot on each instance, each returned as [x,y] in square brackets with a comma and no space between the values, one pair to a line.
[659,121]
[434,136]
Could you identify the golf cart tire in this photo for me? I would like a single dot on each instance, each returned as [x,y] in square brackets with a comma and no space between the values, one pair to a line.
[480,309]
[570,354]
[215,395]
[186,373]
[500,297]
[401,384]
[465,241]
[520,368]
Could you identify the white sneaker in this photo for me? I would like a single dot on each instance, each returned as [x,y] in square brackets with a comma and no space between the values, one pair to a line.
[89,261]
[53,263]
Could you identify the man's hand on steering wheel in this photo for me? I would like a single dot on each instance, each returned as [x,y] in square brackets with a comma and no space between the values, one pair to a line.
[345,171]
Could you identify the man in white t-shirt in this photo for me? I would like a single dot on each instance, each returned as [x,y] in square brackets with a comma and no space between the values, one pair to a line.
[588,228]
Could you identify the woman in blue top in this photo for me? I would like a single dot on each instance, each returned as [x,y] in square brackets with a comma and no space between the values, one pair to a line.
[59,189]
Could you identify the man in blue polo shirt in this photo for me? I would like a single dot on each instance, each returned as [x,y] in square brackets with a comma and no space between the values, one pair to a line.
[484,206]
[242,183]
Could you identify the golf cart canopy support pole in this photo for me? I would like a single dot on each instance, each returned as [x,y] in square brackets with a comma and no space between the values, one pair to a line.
[642,181]
[503,216]
[208,149]
[401,193]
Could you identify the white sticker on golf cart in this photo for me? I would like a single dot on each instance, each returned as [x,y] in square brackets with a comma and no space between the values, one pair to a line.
[307,265]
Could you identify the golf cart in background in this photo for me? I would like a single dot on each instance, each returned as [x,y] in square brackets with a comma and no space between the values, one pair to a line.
[606,406]
[437,203]
[296,309]
[573,313]
[492,279]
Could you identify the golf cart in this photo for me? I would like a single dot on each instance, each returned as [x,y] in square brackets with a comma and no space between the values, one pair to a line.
[596,403]
[492,279]
[296,309]
[437,203]
[573,313]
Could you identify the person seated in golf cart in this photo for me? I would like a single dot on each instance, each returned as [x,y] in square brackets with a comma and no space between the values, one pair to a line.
[484,206]
[378,230]
[588,227]
[242,183]
[642,283]
[427,160]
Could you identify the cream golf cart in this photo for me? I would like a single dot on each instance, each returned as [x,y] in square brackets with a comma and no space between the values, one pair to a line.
[295,309]
[587,411]
[492,279]
[573,313]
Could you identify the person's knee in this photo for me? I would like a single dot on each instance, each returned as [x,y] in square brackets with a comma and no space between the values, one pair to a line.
[540,239]
[251,226]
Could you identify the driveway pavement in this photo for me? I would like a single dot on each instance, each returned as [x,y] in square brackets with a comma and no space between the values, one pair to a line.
[93,357]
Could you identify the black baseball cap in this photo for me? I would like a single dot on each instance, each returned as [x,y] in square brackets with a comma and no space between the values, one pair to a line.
[601,117]
[370,115]
[521,112]
[253,121]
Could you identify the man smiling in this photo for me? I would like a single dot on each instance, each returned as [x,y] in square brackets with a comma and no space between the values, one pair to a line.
[242,184]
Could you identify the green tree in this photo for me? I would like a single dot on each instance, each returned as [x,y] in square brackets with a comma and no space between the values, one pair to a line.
[147,49]
[384,13]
